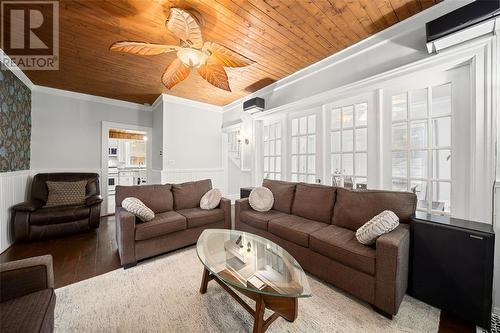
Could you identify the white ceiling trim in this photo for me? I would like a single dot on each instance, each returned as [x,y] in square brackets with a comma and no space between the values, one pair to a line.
[191,103]
[90,98]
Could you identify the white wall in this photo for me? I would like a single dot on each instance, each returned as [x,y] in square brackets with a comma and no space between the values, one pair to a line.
[66,128]
[192,136]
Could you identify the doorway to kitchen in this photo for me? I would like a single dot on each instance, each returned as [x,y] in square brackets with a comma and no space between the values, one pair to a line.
[126,152]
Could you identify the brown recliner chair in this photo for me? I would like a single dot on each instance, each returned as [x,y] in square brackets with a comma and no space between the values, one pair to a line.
[27,298]
[34,221]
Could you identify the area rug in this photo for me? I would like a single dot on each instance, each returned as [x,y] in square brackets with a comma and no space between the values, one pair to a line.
[162,295]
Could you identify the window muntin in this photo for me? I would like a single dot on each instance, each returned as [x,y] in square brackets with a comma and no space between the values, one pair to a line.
[272,151]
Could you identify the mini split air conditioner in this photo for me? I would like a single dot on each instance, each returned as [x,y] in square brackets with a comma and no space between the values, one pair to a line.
[473,20]
[254,105]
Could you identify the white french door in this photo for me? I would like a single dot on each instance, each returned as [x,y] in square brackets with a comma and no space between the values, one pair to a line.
[351,142]
[305,148]
[427,140]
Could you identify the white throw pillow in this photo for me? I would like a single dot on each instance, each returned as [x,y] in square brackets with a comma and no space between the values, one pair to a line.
[381,224]
[261,199]
[211,199]
[138,208]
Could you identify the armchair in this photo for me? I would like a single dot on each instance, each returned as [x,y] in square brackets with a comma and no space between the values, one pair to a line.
[34,221]
[27,298]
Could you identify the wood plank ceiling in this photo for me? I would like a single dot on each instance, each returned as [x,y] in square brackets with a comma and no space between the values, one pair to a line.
[281,36]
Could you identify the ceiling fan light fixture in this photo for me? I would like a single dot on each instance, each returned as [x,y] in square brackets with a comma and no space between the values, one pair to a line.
[191,57]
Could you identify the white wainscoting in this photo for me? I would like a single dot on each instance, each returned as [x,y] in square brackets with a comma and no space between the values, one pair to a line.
[217,175]
[14,187]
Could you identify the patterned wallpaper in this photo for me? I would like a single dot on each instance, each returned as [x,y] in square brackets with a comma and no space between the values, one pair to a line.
[15,123]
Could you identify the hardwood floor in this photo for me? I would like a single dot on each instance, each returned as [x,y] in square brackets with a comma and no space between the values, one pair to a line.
[83,256]
[77,257]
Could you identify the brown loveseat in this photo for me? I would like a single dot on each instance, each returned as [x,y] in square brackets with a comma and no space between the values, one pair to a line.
[317,224]
[34,221]
[27,298]
[178,221]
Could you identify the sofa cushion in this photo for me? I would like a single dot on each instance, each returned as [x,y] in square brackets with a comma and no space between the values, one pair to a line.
[66,193]
[294,228]
[55,215]
[314,202]
[188,195]
[197,217]
[162,224]
[30,313]
[353,208]
[211,199]
[138,208]
[340,244]
[261,199]
[157,197]
[259,219]
[283,193]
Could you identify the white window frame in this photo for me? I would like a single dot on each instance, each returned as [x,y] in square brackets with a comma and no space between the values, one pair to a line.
[272,141]
[373,147]
[317,112]
[460,137]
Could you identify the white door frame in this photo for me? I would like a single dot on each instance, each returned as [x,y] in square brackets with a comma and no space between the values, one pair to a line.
[105,127]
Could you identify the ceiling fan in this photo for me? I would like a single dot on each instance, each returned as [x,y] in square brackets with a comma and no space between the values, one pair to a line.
[209,58]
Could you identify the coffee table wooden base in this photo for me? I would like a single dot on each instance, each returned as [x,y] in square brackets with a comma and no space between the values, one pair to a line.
[286,307]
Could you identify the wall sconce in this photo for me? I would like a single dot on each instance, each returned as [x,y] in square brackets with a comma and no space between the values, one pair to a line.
[241,138]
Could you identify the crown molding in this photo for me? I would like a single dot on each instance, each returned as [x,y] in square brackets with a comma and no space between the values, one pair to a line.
[188,102]
[90,98]
[9,64]
[383,37]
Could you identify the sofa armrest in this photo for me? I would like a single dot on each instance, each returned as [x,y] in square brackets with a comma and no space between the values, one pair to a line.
[25,276]
[28,206]
[93,200]
[240,206]
[225,204]
[392,261]
[125,236]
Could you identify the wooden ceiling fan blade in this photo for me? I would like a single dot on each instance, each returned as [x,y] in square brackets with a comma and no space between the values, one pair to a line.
[183,25]
[175,73]
[215,75]
[225,56]
[141,48]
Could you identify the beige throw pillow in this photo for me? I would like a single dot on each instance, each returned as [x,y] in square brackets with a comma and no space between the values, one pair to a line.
[261,199]
[138,208]
[211,199]
[381,224]
[66,193]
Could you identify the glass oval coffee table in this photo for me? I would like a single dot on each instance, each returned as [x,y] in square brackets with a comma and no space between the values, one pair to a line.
[255,267]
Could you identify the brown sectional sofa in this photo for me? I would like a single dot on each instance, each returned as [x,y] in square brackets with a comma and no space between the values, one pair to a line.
[27,297]
[178,221]
[317,224]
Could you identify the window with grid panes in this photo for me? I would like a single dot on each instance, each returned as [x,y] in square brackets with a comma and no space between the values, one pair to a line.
[272,151]
[303,149]
[421,146]
[348,143]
